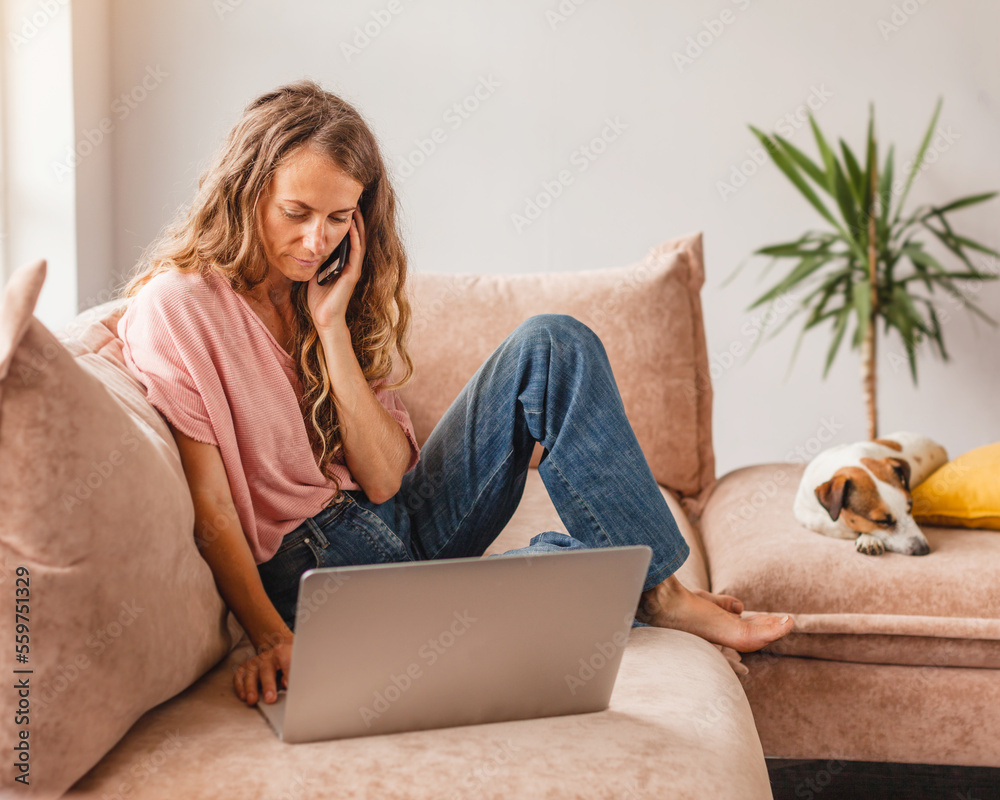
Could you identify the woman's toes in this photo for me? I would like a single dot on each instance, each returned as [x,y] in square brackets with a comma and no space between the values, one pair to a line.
[735,604]
[762,629]
[724,601]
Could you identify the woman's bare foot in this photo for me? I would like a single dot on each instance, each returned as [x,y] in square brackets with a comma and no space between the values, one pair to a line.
[712,617]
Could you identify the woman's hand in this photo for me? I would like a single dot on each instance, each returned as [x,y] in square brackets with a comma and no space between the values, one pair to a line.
[328,303]
[257,676]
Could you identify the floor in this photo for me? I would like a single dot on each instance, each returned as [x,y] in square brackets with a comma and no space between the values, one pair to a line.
[861,780]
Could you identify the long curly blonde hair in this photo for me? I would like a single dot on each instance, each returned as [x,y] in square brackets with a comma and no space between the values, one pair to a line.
[218,233]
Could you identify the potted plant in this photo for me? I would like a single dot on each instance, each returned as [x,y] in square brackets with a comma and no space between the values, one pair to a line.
[871,261]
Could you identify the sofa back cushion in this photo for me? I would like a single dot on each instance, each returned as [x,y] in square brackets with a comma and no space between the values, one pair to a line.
[648,315]
[119,611]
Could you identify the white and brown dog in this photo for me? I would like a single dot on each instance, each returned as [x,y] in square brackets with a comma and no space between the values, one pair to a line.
[862,491]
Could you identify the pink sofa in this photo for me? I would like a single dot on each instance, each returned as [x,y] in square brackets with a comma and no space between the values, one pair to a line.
[132,648]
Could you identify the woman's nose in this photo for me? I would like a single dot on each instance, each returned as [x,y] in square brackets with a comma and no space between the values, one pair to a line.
[316,239]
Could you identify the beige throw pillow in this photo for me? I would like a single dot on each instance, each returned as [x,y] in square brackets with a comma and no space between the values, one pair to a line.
[117,610]
[647,314]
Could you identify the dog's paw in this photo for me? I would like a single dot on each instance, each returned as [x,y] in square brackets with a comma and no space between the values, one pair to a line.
[869,545]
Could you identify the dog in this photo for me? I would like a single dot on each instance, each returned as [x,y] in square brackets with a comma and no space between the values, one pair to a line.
[861,491]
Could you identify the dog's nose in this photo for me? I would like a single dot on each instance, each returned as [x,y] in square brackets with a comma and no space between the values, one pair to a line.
[919,547]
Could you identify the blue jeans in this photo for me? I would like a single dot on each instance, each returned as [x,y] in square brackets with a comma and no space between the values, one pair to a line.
[548,381]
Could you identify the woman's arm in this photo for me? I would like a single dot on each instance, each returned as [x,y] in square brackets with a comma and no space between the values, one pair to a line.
[223,545]
[376,449]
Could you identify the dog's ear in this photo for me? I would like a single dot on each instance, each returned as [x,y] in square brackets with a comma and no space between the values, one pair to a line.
[833,493]
[902,469]
[890,470]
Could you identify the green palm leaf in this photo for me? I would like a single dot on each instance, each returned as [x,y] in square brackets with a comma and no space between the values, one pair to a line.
[805,163]
[920,156]
[839,328]
[885,194]
[857,178]
[786,165]
[964,202]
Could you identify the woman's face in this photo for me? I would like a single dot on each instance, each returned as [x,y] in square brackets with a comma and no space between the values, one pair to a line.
[304,213]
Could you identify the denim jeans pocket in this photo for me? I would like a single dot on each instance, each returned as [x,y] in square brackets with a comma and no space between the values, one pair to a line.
[362,537]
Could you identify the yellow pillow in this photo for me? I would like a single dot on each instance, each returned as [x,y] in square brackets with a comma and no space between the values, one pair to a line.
[964,493]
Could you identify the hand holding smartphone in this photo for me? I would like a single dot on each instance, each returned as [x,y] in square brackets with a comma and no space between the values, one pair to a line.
[331,268]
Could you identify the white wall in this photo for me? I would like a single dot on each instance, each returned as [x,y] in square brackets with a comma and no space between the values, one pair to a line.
[548,86]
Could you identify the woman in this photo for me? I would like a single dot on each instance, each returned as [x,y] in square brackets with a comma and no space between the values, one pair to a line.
[296,447]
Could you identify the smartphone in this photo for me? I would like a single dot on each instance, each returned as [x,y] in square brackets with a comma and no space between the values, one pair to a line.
[331,268]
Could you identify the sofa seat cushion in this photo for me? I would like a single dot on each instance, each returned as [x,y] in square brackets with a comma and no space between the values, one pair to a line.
[678,726]
[119,610]
[941,609]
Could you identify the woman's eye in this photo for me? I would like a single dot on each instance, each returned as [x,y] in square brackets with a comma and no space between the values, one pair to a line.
[292,215]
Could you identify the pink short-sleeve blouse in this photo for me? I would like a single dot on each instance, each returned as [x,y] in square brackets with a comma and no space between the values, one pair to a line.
[214,370]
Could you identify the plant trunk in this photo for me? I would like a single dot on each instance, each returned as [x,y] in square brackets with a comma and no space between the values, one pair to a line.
[868,345]
[868,377]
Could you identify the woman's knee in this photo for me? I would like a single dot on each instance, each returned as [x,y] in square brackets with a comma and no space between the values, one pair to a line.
[561,329]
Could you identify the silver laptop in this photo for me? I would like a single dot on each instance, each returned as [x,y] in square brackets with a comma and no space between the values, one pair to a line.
[429,644]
